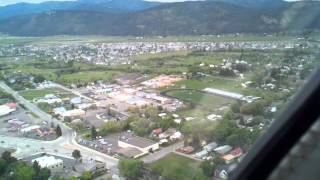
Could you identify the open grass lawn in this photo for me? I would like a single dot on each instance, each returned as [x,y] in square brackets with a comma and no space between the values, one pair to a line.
[222,83]
[208,101]
[31,94]
[86,76]
[174,166]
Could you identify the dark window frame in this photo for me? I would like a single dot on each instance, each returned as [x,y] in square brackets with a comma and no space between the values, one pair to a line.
[283,134]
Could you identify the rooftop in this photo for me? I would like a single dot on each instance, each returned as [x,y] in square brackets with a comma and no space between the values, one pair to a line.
[46,161]
[130,152]
[137,141]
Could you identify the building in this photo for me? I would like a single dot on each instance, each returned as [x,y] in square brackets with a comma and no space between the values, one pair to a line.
[50,162]
[7,109]
[232,155]
[73,113]
[222,150]
[201,154]
[209,147]
[134,146]
[75,100]
[169,132]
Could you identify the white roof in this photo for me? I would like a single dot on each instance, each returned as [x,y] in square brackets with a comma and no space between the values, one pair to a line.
[223,93]
[4,110]
[30,128]
[223,149]
[47,161]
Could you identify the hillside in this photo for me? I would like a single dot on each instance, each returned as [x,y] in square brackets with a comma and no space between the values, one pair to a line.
[170,19]
[116,6]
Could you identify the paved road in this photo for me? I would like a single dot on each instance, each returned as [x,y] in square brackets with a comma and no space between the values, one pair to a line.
[72,91]
[63,145]
[161,153]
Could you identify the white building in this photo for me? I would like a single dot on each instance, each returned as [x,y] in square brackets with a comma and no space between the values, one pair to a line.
[5,110]
[50,162]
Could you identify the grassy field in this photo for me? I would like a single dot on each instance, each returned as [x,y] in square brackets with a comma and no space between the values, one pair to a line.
[87,76]
[64,39]
[208,101]
[84,72]
[181,166]
[31,94]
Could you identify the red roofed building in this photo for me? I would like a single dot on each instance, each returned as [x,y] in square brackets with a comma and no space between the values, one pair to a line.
[157,131]
[236,152]
[12,105]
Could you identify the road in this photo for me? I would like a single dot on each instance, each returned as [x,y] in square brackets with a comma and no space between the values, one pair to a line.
[72,91]
[63,145]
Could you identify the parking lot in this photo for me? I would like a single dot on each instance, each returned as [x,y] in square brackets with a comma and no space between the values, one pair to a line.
[21,123]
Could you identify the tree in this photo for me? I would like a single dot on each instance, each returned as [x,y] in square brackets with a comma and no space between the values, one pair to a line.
[255,108]
[224,129]
[200,175]
[44,174]
[38,79]
[36,167]
[130,168]
[22,171]
[7,157]
[76,154]
[72,178]
[3,166]
[58,131]
[86,175]
[235,107]
[207,168]
[93,133]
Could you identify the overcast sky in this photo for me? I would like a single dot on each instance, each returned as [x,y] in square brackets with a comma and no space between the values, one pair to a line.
[6,2]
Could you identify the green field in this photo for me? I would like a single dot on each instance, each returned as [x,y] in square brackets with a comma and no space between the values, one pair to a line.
[207,101]
[31,94]
[87,76]
[174,166]
[108,39]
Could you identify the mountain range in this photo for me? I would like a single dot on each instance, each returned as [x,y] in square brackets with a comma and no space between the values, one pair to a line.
[23,9]
[141,18]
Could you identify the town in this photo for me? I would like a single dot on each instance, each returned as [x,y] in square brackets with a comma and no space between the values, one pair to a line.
[124,110]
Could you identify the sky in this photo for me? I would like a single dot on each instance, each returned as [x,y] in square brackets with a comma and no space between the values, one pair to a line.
[7,2]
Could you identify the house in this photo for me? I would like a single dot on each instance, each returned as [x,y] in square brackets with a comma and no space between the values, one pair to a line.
[177,135]
[50,162]
[75,100]
[163,141]
[178,121]
[157,131]
[189,118]
[222,150]
[209,147]
[7,109]
[73,113]
[169,132]
[162,115]
[214,117]
[201,154]
[59,110]
[232,155]
[223,171]
[186,150]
